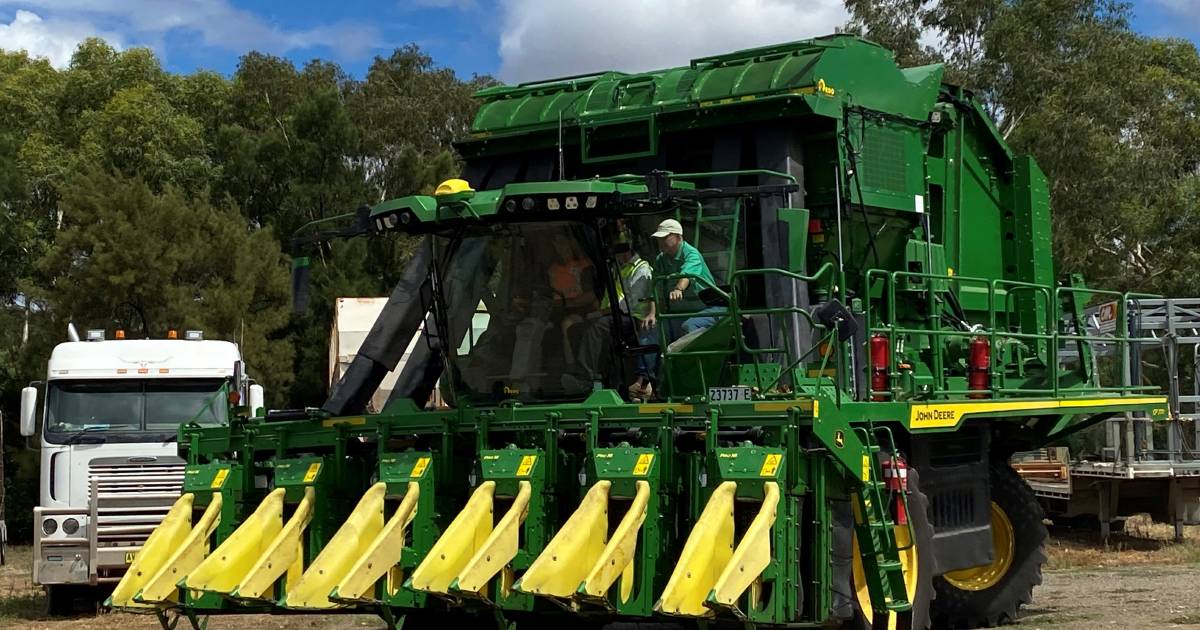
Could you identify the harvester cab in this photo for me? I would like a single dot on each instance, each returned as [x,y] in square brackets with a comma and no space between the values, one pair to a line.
[854,319]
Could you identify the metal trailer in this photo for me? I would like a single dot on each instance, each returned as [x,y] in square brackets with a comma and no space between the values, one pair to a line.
[1134,471]
[831,416]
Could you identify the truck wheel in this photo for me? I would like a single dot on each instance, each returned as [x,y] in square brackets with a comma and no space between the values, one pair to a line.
[990,594]
[60,600]
[917,561]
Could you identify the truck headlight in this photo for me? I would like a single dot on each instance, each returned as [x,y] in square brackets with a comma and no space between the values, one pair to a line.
[49,526]
[70,526]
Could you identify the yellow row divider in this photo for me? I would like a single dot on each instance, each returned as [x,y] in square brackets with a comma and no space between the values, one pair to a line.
[751,558]
[155,553]
[617,558]
[225,567]
[381,555]
[705,554]
[285,553]
[345,548]
[499,549]
[457,545]
[574,550]
[711,573]
[163,587]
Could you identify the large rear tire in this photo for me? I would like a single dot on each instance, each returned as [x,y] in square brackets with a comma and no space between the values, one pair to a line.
[992,594]
[919,557]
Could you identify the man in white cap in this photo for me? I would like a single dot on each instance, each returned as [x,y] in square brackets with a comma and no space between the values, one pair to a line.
[676,256]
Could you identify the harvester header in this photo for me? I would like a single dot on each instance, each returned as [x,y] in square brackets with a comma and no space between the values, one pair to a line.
[748,341]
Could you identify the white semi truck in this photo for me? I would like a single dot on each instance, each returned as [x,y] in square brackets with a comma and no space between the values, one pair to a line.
[109,463]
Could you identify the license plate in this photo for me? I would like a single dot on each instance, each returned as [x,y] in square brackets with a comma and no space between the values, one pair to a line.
[728,394]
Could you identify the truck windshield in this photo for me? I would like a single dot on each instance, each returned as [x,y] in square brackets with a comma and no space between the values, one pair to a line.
[131,407]
[526,308]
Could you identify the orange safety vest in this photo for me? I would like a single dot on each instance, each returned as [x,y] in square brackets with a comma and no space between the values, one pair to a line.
[567,278]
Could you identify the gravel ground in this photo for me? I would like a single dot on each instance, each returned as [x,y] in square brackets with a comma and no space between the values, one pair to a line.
[1138,596]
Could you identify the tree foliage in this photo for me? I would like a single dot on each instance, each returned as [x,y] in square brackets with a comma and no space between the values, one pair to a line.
[1111,116]
[133,197]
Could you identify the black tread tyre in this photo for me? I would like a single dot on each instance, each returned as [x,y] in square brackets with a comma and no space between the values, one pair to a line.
[999,603]
[918,618]
[61,600]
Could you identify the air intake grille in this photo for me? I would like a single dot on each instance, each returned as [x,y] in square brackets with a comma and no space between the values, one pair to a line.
[884,166]
[131,498]
[953,508]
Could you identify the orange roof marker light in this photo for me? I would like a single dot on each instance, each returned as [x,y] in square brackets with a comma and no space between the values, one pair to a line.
[172,334]
[120,334]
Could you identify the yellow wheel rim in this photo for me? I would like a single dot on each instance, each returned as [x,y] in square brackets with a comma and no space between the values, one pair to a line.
[908,562]
[986,576]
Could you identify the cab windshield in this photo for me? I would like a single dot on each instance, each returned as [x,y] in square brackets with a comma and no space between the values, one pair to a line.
[131,408]
[527,308]
[552,311]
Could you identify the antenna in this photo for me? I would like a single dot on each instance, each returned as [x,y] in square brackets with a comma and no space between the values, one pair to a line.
[562,176]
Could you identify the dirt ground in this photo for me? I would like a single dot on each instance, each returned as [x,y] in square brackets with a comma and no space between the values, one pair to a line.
[1139,580]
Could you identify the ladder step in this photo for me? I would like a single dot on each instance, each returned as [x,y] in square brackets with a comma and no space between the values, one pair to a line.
[720,217]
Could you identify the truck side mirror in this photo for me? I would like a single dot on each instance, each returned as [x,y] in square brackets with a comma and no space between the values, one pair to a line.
[257,396]
[28,411]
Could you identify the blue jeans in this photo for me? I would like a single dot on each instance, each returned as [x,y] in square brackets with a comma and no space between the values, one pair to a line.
[647,363]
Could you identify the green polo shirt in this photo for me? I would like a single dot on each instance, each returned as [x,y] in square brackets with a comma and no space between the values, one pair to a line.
[687,260]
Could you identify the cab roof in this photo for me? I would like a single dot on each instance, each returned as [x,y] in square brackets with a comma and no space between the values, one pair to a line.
[143,358]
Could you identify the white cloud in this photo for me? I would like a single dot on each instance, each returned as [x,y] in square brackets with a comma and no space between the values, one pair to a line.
[541,39]
[1189,8]
[218,23]
[52,39]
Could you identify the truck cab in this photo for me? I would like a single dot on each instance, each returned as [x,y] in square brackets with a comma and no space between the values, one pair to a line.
[107,431]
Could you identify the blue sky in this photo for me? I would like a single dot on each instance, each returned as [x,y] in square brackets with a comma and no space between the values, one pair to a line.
[512,39]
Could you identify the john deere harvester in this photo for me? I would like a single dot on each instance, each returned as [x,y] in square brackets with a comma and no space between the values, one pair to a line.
[813,432]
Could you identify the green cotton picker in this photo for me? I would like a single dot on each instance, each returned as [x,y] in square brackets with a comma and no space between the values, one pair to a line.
[743,343]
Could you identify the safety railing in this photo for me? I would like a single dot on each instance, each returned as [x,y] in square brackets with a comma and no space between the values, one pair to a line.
[1005,325]
[783,320]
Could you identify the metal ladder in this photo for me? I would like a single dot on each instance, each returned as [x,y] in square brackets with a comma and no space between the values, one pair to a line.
[876,533]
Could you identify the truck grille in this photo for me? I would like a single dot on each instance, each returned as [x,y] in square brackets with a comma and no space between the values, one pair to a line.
[132,497]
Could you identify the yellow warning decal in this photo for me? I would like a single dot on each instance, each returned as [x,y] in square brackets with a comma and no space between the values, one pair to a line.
[770,465]
[642,467]
[661,407]
[313,469]
[526,465]
[219,478]
[129,555]
[866,468]
[418,469]
[785,405]
[948,415]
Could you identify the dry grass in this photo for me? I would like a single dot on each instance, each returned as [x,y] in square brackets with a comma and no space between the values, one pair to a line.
[18,597]
[1143,542]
